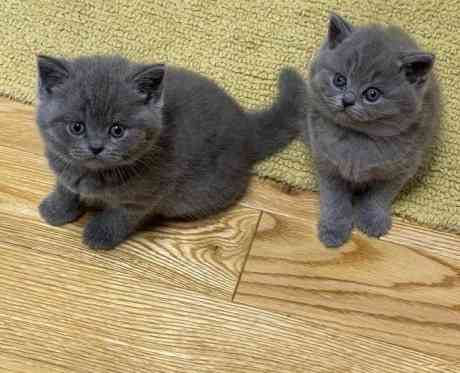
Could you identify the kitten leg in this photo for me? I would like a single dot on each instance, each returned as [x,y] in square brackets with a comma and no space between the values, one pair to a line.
[336,222]
[61,206]
[372,208]
[110,227]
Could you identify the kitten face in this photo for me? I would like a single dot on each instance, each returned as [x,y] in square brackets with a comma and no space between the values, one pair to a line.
[370,79]
[99,113]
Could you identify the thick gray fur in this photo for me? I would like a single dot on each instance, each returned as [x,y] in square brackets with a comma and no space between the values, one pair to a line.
[365,151]
[186,152]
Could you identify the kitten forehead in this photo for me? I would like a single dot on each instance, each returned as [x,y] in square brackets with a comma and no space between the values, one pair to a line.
[373,51]
[101,84]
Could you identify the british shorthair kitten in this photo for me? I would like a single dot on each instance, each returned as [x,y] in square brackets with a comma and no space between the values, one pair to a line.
[373,111]
[138,140]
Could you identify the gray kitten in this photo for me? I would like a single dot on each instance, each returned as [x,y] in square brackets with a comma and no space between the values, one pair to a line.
[373,111]
[139,140]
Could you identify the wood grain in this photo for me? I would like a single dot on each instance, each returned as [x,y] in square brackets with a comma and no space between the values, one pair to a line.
[271,197]
[17,364]
[378,289]
[160,302]
[205,256]
[91,319]
[19,130]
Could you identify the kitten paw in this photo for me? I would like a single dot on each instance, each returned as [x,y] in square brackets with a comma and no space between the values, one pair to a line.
[334,235]
[106,230]
[59,211]
[373,220]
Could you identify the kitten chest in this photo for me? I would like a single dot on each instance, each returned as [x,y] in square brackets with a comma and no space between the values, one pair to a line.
[356,157]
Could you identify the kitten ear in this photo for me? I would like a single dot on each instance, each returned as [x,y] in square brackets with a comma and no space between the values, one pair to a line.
[339,30]
[51,72]
[149,81]
[417,65]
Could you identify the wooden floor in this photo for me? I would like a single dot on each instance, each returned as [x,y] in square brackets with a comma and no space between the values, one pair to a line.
[250,290]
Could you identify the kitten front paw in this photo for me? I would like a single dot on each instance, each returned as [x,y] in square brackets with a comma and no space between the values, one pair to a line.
[372,219]
[106,230]
[333,234]
[57,210]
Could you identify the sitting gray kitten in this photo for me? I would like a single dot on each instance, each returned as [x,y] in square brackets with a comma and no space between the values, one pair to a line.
[373,111]
[149,140]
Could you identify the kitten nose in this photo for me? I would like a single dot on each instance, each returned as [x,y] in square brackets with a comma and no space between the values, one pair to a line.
[96,149]
[348,99]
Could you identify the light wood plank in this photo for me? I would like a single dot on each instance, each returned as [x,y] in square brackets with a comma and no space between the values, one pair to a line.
[271,197]
[206,255]
[18,364]
[65,308]
[370,287]
[19,130]
[91,319]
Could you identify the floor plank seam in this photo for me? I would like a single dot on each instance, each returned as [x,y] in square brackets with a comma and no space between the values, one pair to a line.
[235,290]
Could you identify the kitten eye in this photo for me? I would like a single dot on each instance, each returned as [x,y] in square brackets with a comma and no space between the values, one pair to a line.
[77,128]
[117,131]
[340,81]
[372,94]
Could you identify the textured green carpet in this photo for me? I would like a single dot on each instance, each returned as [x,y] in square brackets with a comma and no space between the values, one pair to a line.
[242,45]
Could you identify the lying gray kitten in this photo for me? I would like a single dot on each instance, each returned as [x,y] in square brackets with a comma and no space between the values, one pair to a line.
[141,140]
[373,111]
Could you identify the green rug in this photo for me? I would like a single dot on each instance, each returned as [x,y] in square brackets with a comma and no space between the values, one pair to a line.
[243,45]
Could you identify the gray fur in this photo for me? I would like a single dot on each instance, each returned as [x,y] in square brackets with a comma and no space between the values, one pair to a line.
[186,152]
[365,151]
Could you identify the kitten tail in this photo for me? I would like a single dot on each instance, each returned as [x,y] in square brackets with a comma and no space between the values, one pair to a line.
[274,128]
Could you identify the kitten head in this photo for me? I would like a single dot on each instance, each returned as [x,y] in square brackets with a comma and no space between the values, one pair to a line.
[371,79]
[99,112]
